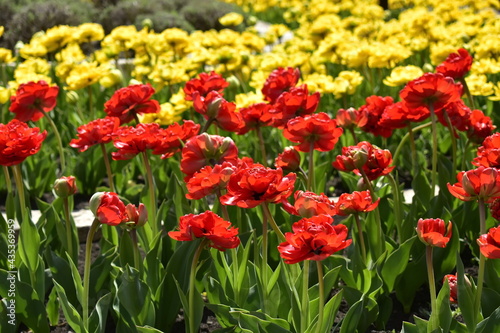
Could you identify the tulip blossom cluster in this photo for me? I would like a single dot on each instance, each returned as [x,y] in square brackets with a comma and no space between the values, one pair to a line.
[19,141]
[32,100]
[109,209]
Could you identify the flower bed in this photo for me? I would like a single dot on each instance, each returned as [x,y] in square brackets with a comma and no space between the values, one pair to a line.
[209,161]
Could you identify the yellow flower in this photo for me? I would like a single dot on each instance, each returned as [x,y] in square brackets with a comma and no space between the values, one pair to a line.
[57,37]
[247,99]
[111,78]
[496,96]
[479,85]
[33,50]
[485,66]
[387,55]
[231,19]
[1,30]
[440,51]
[88,32]
[168,73]
[85,74]
[346,83]
[402,75]
[166,116]
[4,94]
[317,82]
[32,67]
[71,53]
[5,56]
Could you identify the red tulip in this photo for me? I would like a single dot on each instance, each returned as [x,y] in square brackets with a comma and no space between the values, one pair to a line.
[18,141]
[313,239]
[32,100]
[173,137]
[371,113]
[209,180]
[279,81]
[288,160]
[489,244]
[250,187]
[256,115]
[481,183]
[206,83]
[65,186]
[480,126]
[453,283]
[291,104]
[96,132]
[215,108]
[108,208]
[317,130]
[355,202]
[456,65]
[309,204]
[433,232]
[128,102]
[430,89]
[131,141]
[488,155]
[210,226]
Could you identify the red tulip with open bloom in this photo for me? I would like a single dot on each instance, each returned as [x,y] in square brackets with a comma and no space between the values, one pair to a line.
[396,116]
[350,118]
[206,83]
[209,180]
[367,157]
[317,131]
[481,183]
[291,104]
[458,114]
[489,244]
[206,149]
[279,81]
[131,141]
[18,141]
[215,108]
[456,65]
[430,89]
[288,160]
[309,204]
[32,100]
[488,155]
[249,187]
[480,127]
[355,202]
[453,283]
[174,136]
[434,232]
[313,239]
[371,114]
[108,208]
[96,132]
[208,225]
[254,116]
[126,103]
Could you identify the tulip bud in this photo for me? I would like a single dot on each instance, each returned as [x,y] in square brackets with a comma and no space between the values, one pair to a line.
[214,106]
[233,82]
[288,160]
[428,68]
[95,202]
[360,158]
[136,216]
[72,97]
[65,187]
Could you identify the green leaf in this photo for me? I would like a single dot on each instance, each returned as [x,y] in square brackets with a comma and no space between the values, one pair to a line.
[52,308]
[329,313]
[198,309]
[443,307]
[147,329]
[396,264]
[72,316]
[353,316]
[126,250]
[260,322]
[490,301]
[132,292]
[98,317]
[465,297]
[29,244]
[409,328]
[76,279]
[490,324]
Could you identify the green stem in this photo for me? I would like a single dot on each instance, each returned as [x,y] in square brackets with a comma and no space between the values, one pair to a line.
[152,197]
[192,287]
[207,125]
[467,93]
[482,261]
[20,191]
[86,273]
[351,129]
[272,222]
[360,237]
[137,254]
[453,145]
[262,146]
[91,109]
[397,207]
[378,237]
[108,168]
[8,181]
[304,320]
[310,178]
[321,284]
[264,263]
[432,288]
[59,143]
[434,151]
[413,148]
[69,230]
[396,154]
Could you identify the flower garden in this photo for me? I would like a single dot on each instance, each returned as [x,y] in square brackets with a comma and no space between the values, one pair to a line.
[257,176]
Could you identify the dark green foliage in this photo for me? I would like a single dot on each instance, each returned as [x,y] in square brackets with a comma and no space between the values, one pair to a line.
[38,16]
[204,15]
[163,20]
